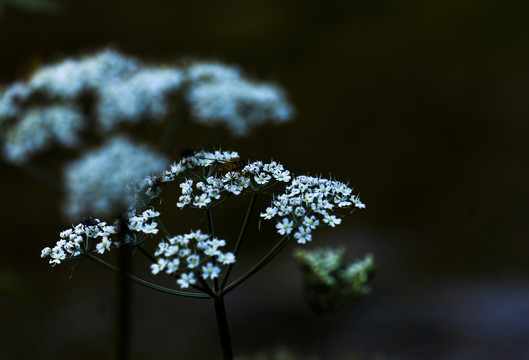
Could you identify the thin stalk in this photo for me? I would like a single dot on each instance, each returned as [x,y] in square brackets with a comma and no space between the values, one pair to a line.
[163,228]
[123,311]
[146,253]
[239,239]
[325,338]
[143,282]
[271,254]
[173,124]
[222,323]
[210,231]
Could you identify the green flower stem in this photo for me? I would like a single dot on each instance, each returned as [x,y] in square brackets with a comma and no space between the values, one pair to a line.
[146,253]
[325,339]
[143,282]
[239,239]
[222,323]
[123,305]
[209,221]
[163,228]
[275,250]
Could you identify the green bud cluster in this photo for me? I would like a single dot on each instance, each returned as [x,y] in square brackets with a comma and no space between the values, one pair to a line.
[331,285]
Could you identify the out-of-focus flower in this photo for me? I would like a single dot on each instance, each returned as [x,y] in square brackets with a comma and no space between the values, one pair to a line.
[220,94]
[97,182]
[331,285]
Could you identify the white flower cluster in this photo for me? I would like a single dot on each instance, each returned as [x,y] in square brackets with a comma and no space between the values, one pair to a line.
[77,240]
[307,203]
[97,182]
[219,94]
[124,90]
[142,96]
[191,253]
[71,77]
[145,222]
[202,191]
[39,128]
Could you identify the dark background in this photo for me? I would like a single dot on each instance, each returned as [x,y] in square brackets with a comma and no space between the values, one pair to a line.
[422,105]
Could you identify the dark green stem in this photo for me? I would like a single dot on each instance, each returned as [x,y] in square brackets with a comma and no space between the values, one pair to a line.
[239,239]
[271,254]
[325,338]
[145,283]
[213,260]
[123,306]
[146,253]
[222,323]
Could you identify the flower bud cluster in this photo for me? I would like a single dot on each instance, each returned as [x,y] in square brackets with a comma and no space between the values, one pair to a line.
[78,239]
[332,285]
[307,203]
[191,253]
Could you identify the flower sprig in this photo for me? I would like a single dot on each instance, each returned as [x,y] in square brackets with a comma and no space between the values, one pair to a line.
[307,203]
[78,240]
[204,180]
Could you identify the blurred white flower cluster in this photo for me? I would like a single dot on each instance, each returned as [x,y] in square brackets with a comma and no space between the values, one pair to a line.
[97,182]
[96,94]
[45,109]
[220,94]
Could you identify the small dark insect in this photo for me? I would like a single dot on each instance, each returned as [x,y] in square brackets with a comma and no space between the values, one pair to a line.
[232,165]
[89,221]
[156,182]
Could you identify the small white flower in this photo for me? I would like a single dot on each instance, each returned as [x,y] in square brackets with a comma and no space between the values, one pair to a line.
[202,200]
[103,245]
[357,202]
[283,176]
[183,201]
[45,252]
[211,251]
[285,227]
[150,228]
[299,211]
[192,261]
[269,213]
[331,220]
[150,213]
[159,266]
[210,271]
[303,235]
[262,178]
[311,222]
[186,280]
[56,256]
[172,266]
[227,258]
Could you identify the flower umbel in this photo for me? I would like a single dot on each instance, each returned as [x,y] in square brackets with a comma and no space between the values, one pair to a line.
[331,285]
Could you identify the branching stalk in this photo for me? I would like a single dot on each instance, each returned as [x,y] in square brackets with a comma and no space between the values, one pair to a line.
[275,250]
[239,239]
[143,282]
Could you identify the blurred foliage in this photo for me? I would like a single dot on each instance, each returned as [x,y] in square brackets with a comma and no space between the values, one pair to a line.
[38,6]
[14,285]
